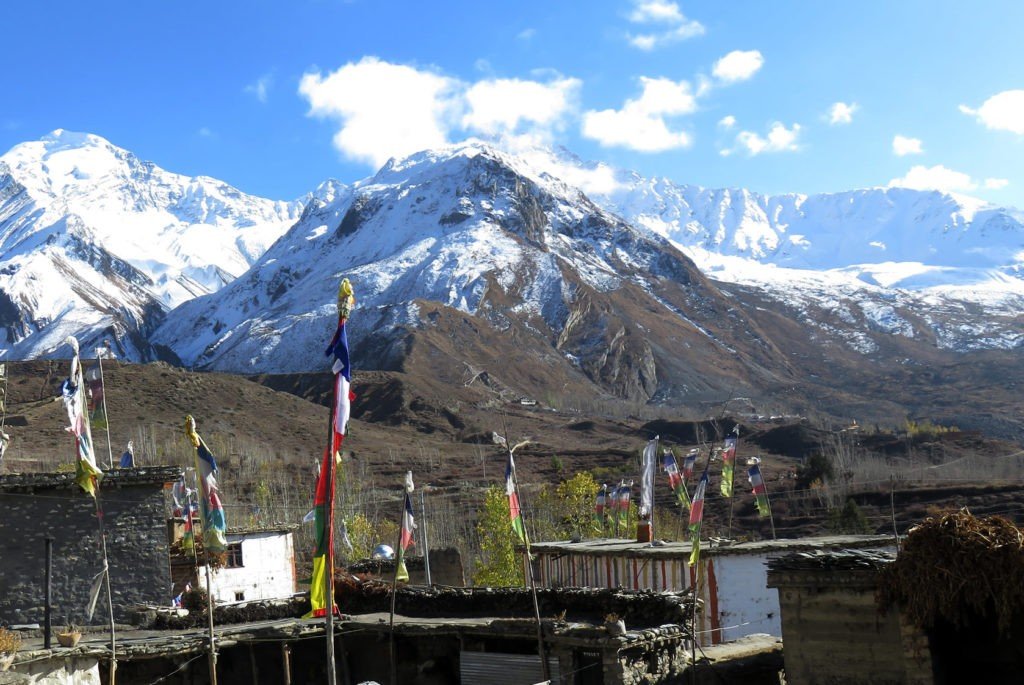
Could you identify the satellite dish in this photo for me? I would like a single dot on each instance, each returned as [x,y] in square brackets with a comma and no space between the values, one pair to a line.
[383,552]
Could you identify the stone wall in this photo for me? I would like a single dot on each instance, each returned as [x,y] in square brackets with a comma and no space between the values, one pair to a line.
[51,504]
[833,632]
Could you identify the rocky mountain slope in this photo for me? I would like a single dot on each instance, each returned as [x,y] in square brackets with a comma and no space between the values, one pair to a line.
[529,274]
[98,243]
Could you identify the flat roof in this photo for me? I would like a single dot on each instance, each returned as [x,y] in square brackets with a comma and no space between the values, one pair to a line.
[713,547]
[142,475]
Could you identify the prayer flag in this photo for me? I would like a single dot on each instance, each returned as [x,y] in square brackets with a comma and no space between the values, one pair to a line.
[128,458]
[728,464]
[625,495]
[514,512]
[760,492]
[214,524]
[675,479]
[73,391]
[650,458]
[689,463]
[342,367]
[406,540]
[318,582]
[97,412]
[697,517]
[599,506]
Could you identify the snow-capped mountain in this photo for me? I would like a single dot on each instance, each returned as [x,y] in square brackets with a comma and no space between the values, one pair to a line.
[873,252]
[98,243]
[470,229]
[553,275]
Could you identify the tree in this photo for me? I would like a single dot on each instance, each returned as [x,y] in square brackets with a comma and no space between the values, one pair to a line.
[499,565]
[576,498]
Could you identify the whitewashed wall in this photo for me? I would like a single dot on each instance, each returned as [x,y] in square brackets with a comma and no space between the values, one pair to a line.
[268,569]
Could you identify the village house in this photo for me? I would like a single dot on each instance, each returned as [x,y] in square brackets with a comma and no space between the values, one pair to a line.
[736,600]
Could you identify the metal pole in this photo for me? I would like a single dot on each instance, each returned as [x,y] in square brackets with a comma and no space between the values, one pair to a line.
[48,591]
[286,662]
[106,416]
[426,543]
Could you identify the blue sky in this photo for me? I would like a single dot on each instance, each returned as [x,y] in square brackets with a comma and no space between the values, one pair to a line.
[274,97]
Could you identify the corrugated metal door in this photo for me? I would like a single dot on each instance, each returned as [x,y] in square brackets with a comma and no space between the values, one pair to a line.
[504,669]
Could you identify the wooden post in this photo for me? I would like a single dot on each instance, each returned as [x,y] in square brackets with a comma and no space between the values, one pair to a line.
[48,594]
[426,543]
[106,416]
[209,615]
[332,676]
[544,666]
[106,580]
[286,662]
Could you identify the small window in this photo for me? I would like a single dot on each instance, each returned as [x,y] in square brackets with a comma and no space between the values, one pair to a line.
[235,555]
[239,596]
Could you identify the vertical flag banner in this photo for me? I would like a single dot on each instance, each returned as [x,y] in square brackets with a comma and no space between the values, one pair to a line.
[728,466]
[97,412]
[514,512]
[625,495]
[697,517]
[650,458]
[73,394]
[405,540]
[675,479]
[341,409]
[317,584]
[689,464]
[760,491]
[128,458]
[215,527]
[599,506]
[342,367]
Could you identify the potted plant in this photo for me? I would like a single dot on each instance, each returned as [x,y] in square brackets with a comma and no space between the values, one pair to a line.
[69,636]
[10,641]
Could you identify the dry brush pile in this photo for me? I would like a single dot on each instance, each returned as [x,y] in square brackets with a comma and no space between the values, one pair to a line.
[957,568]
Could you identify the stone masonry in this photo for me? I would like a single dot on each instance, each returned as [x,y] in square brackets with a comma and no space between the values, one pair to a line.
[37,505]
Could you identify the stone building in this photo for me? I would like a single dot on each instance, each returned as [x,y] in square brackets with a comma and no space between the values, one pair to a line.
[259,564]
[733,577]
[833,629]
[41,505]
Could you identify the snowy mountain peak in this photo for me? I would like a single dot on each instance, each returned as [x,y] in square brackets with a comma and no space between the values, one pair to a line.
[83,222]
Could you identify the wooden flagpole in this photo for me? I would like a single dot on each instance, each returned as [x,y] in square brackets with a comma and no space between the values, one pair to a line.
[106,581]
[332,675]
[103,392]
[394,592]
[541,651]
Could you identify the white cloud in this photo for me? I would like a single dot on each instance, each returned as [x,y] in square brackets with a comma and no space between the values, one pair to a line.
[205,132]
[526,34]
[500,105]
[389,110]
[1003,111]
[779,139]
[647,11]
[640,124]
[996,183]
[937,177]
[903,146]
[677,26]
[727,121]
[385,109]
[841,113]
[738,65]
[261,88]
